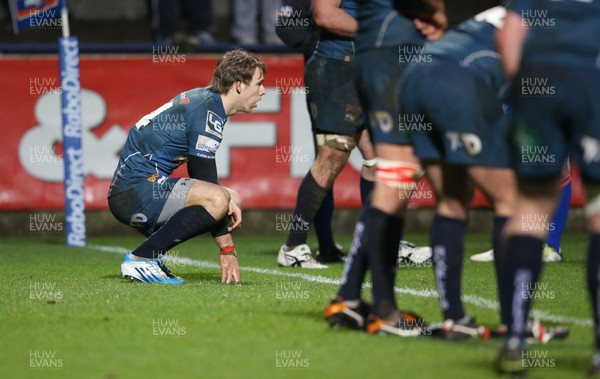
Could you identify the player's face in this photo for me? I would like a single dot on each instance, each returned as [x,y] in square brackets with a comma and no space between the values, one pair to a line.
[252,92]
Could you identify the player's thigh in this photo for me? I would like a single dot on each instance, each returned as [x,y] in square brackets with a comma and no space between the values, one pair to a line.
[148,204]
[379,89]
[499,186]
[456,186]
[418,85]
[452,188]
[333,101]
[538,136]
[583,105]
[433,171]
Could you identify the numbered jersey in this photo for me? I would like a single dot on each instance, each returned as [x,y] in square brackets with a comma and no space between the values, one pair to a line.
[190,124]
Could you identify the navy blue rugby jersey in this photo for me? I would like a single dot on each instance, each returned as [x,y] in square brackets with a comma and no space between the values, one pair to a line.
[190,124]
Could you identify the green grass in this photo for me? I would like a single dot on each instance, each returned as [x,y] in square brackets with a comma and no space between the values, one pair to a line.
[71,303]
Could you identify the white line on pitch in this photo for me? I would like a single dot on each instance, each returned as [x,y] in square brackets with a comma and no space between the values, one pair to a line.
[470,299]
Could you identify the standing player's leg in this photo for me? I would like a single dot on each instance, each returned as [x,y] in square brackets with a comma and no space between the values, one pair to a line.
[536,135]
[397,171]
[446,113]
[499,187]
[592,212]
[367,180]
[453,191]
[589,140]
[522,250]
[552,252]
[367,172]
[322,221]
[408,252]
[334,151]
[375,246]
[347,308]
[324,216]
[337,120]
[377,88]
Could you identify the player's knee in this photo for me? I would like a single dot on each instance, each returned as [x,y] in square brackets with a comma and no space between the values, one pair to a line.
[235,196]
[214,198]
[503,201]
[328,164]
[452,207]
[220,202]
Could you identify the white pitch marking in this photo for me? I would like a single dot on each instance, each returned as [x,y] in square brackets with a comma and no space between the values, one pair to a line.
[470,299]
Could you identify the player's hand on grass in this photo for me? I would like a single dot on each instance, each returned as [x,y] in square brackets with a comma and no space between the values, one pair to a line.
[235,216]
[230,269]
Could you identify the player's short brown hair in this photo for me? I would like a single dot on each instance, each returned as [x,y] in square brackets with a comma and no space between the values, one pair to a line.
[233,66]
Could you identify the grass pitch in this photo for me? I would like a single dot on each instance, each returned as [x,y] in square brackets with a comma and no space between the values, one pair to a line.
[67,313]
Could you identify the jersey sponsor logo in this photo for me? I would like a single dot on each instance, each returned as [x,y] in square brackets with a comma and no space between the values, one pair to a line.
[214,124]
[207,144]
